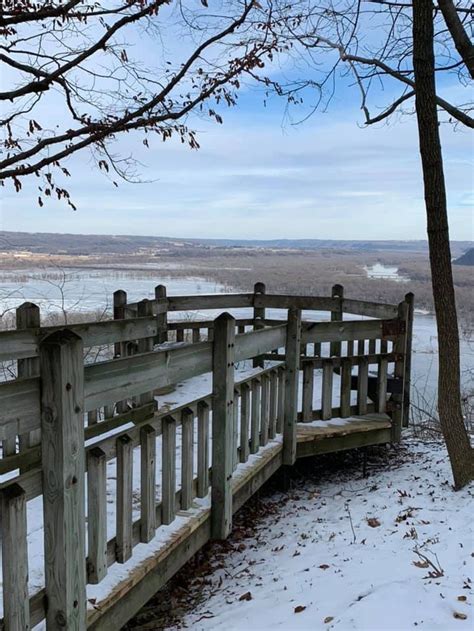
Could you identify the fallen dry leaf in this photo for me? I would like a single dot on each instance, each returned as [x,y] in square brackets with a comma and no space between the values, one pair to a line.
[422,564]
[462,598]
[459,616]
[373,522]
[246,596]
[300,608]
[328,619]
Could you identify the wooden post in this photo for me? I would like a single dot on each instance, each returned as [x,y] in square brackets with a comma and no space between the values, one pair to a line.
[96,515]
[337,314]
[222,425]
[120,301]
[120,348]
[16,608]
[63,469]
[145,345]
[28,317]
[400,349]
[293,340]
[258,319]
[410,301]
[162,315]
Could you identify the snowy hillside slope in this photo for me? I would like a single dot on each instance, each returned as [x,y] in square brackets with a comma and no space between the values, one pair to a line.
[393,550]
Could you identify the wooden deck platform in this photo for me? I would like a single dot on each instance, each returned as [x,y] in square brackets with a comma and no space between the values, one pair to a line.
[320,437]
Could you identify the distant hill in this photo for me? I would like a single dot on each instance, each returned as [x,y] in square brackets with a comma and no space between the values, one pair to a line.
[93,244]
[465,259]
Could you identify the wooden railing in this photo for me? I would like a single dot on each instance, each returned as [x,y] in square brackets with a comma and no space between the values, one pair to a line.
[61,419]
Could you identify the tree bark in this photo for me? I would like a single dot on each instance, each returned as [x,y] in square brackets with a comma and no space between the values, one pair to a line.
[449,381]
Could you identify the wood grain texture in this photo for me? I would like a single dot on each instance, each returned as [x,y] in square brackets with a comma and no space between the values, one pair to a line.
[96,515]
[63,473]
[291,385]
[203,449]
[168,464]
[222,425]
[16,609]
[147,483]
[124,498]
[187,457]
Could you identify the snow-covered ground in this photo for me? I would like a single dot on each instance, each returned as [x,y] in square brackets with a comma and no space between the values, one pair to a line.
[393,550]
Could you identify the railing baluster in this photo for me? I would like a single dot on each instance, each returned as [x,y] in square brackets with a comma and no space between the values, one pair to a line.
[244,421]
[308,389]
[382,386]
[327,390]
[168,463]
[147,483]
[273,404]
[203,449]
[97,515]
[281,399]
[16,609]
[362,386]
[265,410]
[235,429]
[346,372]
[255,416]
[124,498]
[187,453]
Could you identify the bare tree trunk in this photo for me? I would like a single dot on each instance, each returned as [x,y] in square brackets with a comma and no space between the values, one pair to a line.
[449,382]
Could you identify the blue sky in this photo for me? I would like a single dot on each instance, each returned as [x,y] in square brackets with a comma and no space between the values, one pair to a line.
[260,176]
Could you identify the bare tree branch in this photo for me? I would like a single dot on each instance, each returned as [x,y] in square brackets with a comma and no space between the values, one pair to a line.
[461,39]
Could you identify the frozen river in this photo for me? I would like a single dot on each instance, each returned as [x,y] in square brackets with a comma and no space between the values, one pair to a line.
[90,290]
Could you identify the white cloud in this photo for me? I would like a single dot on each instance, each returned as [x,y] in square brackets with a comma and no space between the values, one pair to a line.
[251,179]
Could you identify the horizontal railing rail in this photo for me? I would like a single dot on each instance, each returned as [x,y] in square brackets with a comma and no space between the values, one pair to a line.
[24,343]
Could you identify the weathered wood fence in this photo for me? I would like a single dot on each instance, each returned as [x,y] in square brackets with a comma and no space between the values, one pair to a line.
[64,420]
